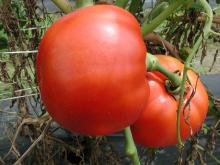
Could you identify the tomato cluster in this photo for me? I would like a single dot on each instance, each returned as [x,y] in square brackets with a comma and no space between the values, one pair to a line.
[92,78]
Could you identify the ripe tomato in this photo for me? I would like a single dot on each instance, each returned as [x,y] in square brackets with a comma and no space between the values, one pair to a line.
[91,70]
[156,127]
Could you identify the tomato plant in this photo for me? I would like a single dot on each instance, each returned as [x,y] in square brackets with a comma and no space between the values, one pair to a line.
[156,127]
[91,70]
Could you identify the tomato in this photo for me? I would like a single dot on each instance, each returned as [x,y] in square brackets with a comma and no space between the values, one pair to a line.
[91,70]
[156,126]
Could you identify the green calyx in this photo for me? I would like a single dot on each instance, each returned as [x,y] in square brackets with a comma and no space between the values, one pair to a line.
[171,89]
[174,80]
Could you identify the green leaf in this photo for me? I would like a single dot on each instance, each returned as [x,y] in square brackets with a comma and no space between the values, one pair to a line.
[135,6]
[205,129]
[3,43]
[197,5]
[160,7]
[217,10]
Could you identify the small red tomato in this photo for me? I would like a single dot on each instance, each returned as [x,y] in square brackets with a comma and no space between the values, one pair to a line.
[91,70]
[156,127]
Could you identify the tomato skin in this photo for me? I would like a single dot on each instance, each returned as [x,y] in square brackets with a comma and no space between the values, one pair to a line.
[91,70]
[156,126]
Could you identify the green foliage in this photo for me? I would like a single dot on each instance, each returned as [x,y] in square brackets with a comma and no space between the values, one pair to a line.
[3,39]
[136,8]
[196,5]
[217,10]
[160,7]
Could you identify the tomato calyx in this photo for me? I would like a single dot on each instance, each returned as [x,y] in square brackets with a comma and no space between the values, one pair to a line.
[171,88]
[174,80]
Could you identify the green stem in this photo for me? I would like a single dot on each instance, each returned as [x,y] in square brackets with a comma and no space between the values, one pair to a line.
[207,29]
[64,5]
[174,78]
[217,123]
[83,3]
[153,64]
[130,148]
[121,3]
[148,27]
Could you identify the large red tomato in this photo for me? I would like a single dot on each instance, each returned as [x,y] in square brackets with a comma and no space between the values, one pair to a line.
[91,70]
[156,127]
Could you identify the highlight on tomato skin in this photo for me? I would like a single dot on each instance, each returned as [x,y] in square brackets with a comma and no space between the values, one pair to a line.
[91,70]
[156,127]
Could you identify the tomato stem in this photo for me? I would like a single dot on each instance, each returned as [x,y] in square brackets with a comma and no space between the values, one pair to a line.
[207,29]
[148,27]
[64,5]
[121,3]
[83,3]
[130,148]
[153,64]
[173,77]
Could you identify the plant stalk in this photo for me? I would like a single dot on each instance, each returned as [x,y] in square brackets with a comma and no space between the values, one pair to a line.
[64,5]
[148,27]
[121,3]
[206,31]
[83,3]
[130,148]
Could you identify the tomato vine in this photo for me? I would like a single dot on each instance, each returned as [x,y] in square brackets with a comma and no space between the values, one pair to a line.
[83,3]
[121,3]
[64,5]
[198,43]
[149,27]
